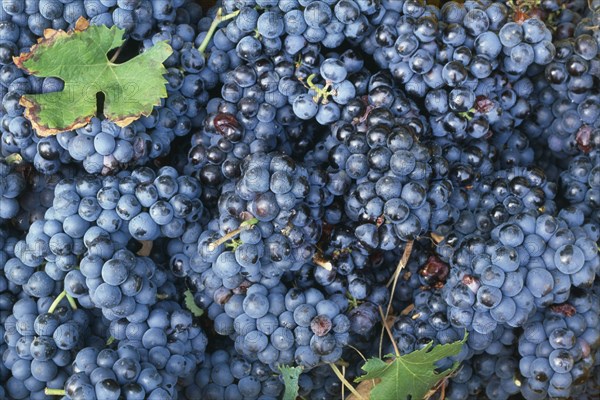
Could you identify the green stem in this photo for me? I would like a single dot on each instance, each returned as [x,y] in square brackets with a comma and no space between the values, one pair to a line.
[14,159]
[309,80]
[243,227]
[468,114]
[213,27]
[71,301]
[57,301]
[234,244]
[55,392]
[323,93]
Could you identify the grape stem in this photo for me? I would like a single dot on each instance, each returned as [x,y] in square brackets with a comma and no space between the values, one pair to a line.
[436,238]
[359,353]
[343,379]
[322,262]
[57,301]
[352,301]
[394,280]
[234,244]
[343,386]
[116,55]
[249,224]
[468,114]
[389,332]
[213,27]
[55,392]
[439,387]
[401,265]
[14,158]
[323,93]
[71,301]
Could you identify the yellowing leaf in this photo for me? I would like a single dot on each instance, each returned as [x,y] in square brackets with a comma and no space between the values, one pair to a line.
[364,389]
[79,58]
[411,375]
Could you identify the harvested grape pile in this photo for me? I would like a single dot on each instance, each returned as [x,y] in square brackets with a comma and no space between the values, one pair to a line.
[286,199]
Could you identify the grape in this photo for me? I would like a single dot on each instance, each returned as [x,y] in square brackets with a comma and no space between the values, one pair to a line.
[305,107]
[270,25]
[333,70]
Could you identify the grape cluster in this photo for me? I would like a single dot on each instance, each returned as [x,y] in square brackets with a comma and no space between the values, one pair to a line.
[122,286]
[427,322]
[306,328]
[529,264]
[491,373]
[226,374]
[566,110]
[580,184]
[92,217]
[478,207]
[382,169]
[273,208]
[41,340]
[555,349]
[252,115]
[296,23]
[154,356]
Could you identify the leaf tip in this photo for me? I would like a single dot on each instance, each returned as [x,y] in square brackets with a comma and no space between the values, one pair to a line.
[166,47]
[19,60]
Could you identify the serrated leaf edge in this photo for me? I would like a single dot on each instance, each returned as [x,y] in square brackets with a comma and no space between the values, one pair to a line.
[382,367]
[50,36]
[32,109]
[190,304]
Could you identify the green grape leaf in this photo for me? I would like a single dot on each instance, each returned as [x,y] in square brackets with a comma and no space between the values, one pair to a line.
[412,375]
[79,58]
[290,377]
[191,305]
